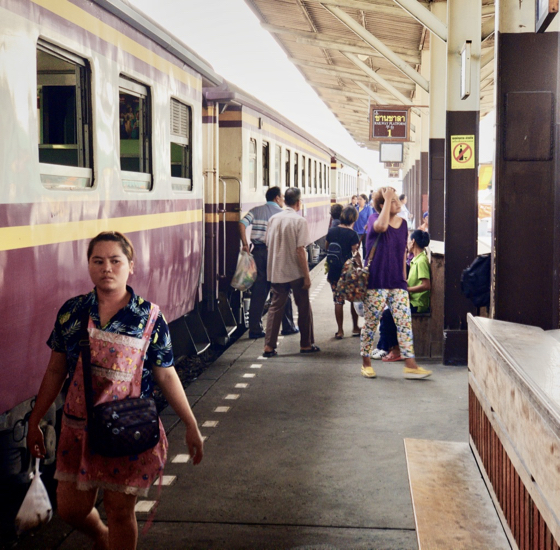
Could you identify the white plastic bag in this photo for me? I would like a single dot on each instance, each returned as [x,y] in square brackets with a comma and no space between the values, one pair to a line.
[36,508]
[245,273]
[359,307]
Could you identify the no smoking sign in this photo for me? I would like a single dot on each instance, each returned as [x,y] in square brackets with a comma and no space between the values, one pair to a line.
[462,152]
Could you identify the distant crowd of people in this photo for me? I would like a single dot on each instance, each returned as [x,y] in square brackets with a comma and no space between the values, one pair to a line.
[399,273]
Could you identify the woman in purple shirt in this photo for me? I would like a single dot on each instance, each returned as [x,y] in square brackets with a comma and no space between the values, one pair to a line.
[387,282]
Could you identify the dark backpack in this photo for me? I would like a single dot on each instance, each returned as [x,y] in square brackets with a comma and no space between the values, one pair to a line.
[335,262]
[475,281]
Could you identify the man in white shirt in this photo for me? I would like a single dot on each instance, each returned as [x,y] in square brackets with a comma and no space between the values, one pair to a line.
[287,236]
[405,213]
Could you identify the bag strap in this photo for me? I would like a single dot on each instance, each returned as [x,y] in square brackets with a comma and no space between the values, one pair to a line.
[86,363]
[372,251]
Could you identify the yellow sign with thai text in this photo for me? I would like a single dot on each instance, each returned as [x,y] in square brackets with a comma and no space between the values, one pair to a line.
[462,152]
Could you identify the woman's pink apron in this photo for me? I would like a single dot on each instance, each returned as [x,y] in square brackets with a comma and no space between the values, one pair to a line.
[116,364]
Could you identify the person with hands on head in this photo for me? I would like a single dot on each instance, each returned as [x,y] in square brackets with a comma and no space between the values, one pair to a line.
[387,283]
[286,237]
[120,324]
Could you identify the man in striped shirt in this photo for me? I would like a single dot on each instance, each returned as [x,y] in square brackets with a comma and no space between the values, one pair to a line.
[258,218]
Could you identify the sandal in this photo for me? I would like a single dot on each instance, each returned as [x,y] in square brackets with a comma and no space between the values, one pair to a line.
[314,349]
[270,353]
[390,357]
[338,336]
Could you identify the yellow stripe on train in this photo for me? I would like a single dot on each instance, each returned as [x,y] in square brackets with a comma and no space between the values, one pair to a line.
[81,18]
[26,236]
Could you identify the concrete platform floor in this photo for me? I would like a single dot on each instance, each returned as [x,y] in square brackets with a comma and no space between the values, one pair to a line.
[307,455]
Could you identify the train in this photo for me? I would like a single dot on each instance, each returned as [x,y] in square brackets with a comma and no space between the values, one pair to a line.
[111,123]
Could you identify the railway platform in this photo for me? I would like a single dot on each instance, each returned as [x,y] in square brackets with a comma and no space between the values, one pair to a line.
[301,450]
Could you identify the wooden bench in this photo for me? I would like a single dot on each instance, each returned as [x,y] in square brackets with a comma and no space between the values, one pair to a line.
[452,506]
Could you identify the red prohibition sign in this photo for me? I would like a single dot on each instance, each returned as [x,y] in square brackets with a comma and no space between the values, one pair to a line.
[464,152]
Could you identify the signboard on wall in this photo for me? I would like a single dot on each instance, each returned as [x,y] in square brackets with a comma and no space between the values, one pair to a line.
[545,12]
[462,152]
[389,123]
[391,152]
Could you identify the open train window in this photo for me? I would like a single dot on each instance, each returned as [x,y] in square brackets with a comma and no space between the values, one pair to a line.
[266,163]
[309,175]
[320,178]
[277,165]
[296,170]
[315,175]
[303,172]
[253,163]
[135,135]
[287,168]
[181,150]
[64,118]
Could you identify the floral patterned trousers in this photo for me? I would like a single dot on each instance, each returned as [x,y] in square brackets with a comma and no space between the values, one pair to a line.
[397,301]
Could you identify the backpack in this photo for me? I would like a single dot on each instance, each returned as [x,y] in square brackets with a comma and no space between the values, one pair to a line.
[475,281]
[335,262]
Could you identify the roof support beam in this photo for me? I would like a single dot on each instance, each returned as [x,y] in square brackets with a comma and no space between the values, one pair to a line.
[322,40]
[425,17]
[375,43]
[379,79]
[488,28]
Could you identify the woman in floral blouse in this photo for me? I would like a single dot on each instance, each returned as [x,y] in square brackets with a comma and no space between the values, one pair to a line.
[130,349]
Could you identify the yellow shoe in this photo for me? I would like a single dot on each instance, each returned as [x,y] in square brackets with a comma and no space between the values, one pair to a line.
[368,372]
[416,374]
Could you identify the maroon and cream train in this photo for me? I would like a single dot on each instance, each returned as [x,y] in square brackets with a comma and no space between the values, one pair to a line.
[110,123]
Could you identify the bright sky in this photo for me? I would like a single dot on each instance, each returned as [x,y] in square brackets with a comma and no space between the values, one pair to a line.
[228,35]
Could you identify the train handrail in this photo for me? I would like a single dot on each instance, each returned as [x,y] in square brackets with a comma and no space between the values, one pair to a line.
[224,212]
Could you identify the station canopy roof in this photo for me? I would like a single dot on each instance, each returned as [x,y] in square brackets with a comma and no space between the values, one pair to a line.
[326,41]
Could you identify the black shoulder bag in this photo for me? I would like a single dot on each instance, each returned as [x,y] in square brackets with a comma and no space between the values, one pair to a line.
[116,428]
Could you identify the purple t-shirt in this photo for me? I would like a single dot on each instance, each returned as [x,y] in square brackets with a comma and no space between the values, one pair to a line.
[386,270]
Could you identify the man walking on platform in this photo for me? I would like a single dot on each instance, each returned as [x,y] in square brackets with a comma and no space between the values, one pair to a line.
[286,238]
[258,218]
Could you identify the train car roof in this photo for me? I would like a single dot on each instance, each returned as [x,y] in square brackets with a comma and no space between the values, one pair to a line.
[229,92]
[143,23]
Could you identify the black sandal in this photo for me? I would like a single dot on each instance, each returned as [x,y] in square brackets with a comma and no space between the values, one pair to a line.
[314,349]
[270,353]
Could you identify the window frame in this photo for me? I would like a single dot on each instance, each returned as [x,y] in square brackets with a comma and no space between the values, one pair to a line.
[265,163]
[180,183]
[252,157]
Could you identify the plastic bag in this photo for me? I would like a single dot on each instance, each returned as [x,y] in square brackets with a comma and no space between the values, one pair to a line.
[245,273]
[36,508]
[359,307]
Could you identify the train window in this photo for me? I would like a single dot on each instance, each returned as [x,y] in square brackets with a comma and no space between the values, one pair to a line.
[325,173]
[64,115]
[135,135]
[309,175]
[181,151]
[266,163]
[287,168]
[277,165]
[253,163]
[320,178]
[296,169]
[315,175]
[303,172]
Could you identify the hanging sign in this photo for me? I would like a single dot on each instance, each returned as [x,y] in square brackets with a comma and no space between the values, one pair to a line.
[462,152]
[394,165]
[389,123]
[545,12]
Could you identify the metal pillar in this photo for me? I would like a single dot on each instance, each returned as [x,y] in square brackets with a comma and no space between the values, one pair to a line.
[526,233]
[436,145]
[461,170]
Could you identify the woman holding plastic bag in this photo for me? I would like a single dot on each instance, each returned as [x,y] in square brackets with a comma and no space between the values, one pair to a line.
[120,325]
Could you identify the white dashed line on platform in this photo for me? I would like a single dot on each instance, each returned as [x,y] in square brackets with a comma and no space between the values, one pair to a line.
[222,409]
[166,480]
[210,424]
[241,385]
[249,375]
[232,396]
[177,459]
[144,506]
[256,366]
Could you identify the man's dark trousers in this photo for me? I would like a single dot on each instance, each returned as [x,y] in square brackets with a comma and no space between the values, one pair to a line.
[259,294]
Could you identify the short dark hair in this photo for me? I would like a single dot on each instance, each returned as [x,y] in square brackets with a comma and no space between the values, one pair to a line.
[336,210]
[292,195]
[272,193]
[349,215]
[402,197]
[116,237]
[364,196]
[421,238]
